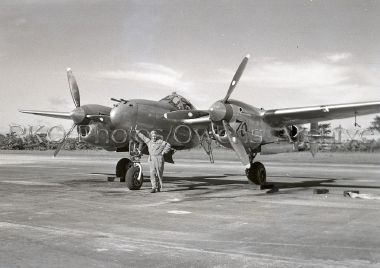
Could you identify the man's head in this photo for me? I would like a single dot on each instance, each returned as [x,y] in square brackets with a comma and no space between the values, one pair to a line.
[153,135]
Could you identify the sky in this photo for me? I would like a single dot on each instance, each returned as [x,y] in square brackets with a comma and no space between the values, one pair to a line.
[302,53]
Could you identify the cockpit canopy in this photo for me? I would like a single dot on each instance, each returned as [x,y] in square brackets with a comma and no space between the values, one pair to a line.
[178,102]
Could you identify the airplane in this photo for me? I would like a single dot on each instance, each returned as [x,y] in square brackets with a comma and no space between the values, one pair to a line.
[232,123]
[111,128]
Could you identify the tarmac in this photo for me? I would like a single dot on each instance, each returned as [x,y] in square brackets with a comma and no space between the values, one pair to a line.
[63,212]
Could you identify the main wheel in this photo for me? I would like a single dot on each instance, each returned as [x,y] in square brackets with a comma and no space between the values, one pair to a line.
[256,174]
[132,178]
[122,167]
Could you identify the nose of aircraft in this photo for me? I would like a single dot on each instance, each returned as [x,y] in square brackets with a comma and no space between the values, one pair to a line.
[123,115]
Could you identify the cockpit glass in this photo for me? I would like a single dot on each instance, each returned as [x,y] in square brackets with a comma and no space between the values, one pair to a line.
[178,102]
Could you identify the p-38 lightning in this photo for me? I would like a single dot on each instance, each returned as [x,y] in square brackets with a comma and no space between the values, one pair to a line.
[232,123]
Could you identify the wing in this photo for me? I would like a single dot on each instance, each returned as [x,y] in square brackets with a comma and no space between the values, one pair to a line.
[63,115]
[303,115]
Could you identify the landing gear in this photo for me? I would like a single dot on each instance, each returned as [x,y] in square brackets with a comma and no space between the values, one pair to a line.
[134,177]
[130,170]
[256,174]
[130,173]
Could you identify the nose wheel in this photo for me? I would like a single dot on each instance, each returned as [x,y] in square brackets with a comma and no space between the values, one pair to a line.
[256,174]
[134,177]
[130,173]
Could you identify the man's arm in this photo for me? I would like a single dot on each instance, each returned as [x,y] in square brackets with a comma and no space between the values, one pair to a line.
[166,148]
[142,136]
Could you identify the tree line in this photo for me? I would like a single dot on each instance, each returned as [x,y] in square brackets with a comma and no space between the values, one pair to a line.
[11,141]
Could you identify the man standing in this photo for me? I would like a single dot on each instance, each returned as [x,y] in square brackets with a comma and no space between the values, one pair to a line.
[157,148]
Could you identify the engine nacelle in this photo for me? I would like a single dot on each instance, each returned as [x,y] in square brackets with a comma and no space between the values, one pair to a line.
[293,132]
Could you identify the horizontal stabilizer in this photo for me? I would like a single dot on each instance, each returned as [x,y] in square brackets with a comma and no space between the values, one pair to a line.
[62,115]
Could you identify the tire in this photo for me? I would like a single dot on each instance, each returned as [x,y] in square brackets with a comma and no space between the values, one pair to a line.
[122,167]
[256,174]
[131,178]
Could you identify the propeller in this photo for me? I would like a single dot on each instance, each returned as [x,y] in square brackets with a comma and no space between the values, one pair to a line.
[236,144]
[221,112]
[80,115]
[236,77]
[73,87]
[59,147]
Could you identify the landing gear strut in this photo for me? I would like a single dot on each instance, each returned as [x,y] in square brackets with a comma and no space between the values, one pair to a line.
[130,170]
[256,173]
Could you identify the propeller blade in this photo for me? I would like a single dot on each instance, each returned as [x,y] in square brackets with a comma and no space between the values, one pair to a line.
[236,144]
[186,114]
[73,88]
[64,140]
[236,78]
[63,115]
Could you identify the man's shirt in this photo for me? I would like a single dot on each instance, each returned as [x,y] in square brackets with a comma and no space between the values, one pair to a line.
[155,148]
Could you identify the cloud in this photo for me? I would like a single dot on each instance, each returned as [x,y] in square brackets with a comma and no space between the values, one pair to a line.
[150,72]
[58,101]
[296,75]
[20,21]
[302,74]
[338,57]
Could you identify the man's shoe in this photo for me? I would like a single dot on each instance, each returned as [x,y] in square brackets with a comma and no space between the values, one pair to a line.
[153,191]
[158,189]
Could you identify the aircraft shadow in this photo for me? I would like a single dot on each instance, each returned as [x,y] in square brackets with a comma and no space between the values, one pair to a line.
[101,173]
[201,182]
[209,180]
[319,183]
[205,182]
[312,181]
